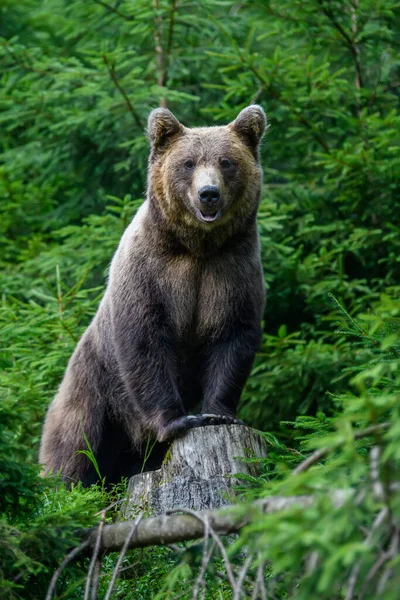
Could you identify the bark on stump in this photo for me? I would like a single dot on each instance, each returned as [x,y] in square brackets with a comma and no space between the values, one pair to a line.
[198,471]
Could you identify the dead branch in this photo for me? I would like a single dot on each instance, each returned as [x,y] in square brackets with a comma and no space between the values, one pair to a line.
[260,583]
[207,554]
[93,562]
[384,557]
[96,577]
[390,555]
[170,529]
[238,592]
[379,520]
[204,519]
[125,547]
[70,556]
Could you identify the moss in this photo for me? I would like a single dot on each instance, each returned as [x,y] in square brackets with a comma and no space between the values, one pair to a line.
[167,456]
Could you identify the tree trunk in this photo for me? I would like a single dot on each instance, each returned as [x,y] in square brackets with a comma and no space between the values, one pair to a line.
[200,471]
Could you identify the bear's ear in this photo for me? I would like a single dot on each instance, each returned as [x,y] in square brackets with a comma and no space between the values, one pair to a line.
[250,125]
[161,126]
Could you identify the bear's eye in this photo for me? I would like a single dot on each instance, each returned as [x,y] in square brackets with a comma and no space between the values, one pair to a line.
[189,164]
[226,163]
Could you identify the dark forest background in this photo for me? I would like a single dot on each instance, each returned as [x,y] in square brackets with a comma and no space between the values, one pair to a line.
[78,80]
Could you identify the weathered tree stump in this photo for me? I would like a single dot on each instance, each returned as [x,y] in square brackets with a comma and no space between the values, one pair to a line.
[198,471]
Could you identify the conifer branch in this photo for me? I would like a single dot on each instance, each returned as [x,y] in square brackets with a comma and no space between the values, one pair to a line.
[114,10]
[114,79]
[350,43]
[322,452]
[299,117]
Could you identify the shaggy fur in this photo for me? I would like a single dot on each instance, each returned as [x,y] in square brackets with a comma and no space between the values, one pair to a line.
[179,323]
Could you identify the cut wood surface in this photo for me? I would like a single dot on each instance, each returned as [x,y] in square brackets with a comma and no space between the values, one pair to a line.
[200,471]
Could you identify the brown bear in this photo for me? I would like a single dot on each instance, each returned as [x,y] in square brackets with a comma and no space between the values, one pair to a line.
[180,321]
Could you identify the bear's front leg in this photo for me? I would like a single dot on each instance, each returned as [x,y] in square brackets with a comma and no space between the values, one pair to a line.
[227,366]
[145,348]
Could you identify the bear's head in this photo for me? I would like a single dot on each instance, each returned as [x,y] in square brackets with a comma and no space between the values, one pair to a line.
[208,177]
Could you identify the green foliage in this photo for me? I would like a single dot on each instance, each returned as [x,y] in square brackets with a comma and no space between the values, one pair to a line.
[78,80]
[325,545]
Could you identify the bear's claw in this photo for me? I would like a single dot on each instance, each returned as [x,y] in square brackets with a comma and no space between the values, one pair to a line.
[179,426]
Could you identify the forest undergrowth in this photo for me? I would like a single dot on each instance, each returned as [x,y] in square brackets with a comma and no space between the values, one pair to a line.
[77,82]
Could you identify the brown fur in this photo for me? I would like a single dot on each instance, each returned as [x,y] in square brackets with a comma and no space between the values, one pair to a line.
[179,323]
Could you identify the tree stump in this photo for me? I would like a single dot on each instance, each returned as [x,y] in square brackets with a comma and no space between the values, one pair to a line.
[198,471]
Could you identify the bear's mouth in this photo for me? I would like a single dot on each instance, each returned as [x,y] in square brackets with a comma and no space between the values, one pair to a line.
[208,217]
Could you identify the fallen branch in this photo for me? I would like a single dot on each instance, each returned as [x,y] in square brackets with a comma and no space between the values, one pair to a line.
[170,529]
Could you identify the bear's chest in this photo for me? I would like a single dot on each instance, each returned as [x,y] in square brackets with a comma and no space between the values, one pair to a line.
[200,298]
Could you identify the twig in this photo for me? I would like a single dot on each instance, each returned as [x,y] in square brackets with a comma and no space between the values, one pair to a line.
[121,556]
[382,559]
[93,562]
[241,578]
[317,136]
[224,578]
[215,537]
[356,569]
[114,10]
[205,562]
[392,552]
[257,95]
[114,79]
[96,576]
[70,556]
[260,583]
[200,583]
[225,557]
[109,507]
[322,452]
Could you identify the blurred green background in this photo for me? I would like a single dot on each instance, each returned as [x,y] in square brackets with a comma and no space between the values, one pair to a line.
[78,80]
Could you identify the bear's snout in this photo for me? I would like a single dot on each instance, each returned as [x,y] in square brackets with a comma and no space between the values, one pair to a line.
[209,197]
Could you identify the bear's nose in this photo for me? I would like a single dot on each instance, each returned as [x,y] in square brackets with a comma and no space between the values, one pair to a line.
[209,194]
